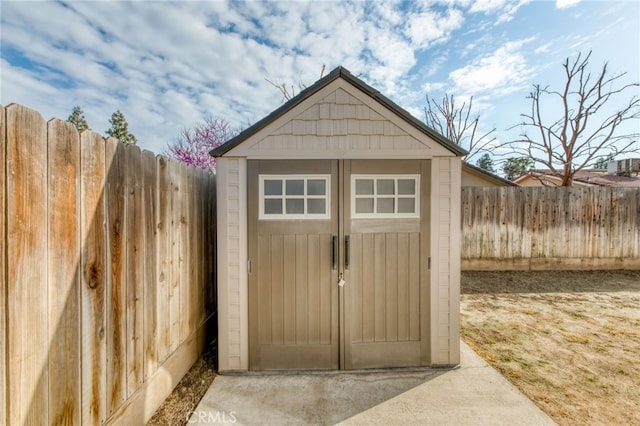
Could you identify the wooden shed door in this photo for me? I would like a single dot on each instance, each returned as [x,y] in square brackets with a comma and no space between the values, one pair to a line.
[293,292]
[386,291]
[313,222]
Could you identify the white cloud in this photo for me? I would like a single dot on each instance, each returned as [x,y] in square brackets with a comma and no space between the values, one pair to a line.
[429,27]
[564,4]
[500,73]
[505,9]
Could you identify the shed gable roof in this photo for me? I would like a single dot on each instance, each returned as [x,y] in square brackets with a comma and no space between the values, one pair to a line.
[339,114]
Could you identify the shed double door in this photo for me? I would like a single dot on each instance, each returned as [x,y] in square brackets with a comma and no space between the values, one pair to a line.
[338,274]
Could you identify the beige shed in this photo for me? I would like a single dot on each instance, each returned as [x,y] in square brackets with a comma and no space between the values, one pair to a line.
[338,236]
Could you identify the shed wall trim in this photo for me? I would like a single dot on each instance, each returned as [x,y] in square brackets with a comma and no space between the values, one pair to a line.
[445,261]
[233,316]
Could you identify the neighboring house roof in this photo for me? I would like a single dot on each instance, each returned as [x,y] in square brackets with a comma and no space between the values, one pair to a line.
[486,175]
[343,73]
[589,177]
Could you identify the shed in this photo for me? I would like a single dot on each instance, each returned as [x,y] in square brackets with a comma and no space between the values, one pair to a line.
[338,236]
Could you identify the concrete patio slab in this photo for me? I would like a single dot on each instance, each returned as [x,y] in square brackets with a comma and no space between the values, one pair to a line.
[474,394]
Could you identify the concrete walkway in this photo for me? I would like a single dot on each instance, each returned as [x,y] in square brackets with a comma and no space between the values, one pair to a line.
[474,394]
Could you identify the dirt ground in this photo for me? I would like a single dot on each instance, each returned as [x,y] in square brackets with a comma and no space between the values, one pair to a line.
[569,340]
[187,394]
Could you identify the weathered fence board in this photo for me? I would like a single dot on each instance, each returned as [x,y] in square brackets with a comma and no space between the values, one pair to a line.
[3,283]
[116,276]
[27,292]
[546,228]
[64,278]
[150,296]
[184,223]
[93,273]
[135,212]
[164,253]
[175,257]
[108,286]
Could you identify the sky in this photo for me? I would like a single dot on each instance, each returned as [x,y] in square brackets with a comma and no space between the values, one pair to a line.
[168,65]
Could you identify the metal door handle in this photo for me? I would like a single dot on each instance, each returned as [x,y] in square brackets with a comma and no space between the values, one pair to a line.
[346,252]
[334,252]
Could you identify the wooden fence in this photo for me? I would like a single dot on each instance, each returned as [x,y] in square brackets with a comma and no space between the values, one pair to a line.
[106,274]
[550,228]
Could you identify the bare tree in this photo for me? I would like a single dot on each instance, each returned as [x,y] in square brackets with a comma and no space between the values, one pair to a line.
[288,91]
[572,127]
[457,124]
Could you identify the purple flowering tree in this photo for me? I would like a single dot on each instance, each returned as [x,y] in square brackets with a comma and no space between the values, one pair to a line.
[193,144]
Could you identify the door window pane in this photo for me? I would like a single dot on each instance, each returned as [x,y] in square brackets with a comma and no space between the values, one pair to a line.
[316,187]
[406,186]
[364,205]
[273,206]
[385,205]
[316,206]
[385,187]
[364,186]
[295,206]
[295,187]
[406,205]
[273,187]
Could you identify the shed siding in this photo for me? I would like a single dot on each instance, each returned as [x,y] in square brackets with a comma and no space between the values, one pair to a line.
[340,122]
[445,278]
[232,264]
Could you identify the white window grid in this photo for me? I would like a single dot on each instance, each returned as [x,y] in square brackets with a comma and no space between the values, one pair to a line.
[283,196]
[395,196]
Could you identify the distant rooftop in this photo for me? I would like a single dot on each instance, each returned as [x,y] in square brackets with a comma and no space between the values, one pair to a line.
[586,177]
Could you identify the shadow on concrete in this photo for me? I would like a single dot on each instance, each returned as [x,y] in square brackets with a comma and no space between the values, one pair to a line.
[474,394]
[310,398]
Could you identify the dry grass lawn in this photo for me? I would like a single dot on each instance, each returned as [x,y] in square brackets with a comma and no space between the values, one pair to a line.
[569,340]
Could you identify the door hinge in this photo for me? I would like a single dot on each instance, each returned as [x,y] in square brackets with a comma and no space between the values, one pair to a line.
[249,265]
[428,262]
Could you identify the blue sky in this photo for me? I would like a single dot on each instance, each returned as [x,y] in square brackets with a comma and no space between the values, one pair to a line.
[167,65]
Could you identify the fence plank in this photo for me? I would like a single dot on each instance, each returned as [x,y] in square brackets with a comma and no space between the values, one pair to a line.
[63,270]
[579,227]
[185,248]
[135,251]
[176,254]
[27,315]
[192,236]
[3,282]
[93,262]
[164,252]
[150,281]
[116,276]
